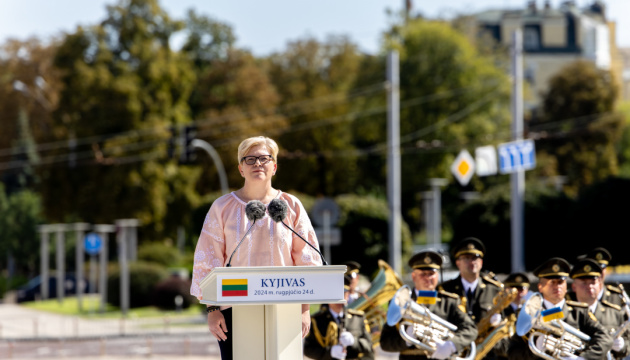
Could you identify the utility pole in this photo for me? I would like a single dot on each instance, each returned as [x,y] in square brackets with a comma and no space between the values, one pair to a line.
[393,159]
[436,187]
[517,179]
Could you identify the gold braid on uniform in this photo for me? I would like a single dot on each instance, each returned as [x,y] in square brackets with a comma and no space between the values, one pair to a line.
[331,334]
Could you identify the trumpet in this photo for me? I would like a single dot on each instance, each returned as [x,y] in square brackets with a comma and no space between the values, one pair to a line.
[559,338]
[428,328]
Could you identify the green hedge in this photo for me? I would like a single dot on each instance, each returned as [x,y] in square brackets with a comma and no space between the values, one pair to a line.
[143,277]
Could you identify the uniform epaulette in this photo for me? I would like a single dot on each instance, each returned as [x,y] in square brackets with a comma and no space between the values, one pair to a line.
[356,312]
[449,294]
[577,304]
[492,281]
[613,288]
[614,306]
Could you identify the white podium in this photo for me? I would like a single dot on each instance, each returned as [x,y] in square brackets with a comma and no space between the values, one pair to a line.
[266,301]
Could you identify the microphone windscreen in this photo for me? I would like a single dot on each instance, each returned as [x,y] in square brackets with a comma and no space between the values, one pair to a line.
[255,210]
[278,209]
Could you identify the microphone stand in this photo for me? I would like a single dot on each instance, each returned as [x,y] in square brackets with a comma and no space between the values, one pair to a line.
[308,243]
[239,243]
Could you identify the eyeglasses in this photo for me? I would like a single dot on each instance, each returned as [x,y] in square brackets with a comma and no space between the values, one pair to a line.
[251,160]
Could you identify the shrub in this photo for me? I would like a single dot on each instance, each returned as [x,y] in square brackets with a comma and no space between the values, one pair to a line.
[167,290]
[143,277]
[158,253]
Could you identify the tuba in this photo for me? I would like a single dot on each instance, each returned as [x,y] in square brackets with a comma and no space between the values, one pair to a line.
[487,339]
[428,327]
[561,339]
[374,301]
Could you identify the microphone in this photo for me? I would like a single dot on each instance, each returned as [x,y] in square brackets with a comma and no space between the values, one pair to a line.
[254,210]
[278,210]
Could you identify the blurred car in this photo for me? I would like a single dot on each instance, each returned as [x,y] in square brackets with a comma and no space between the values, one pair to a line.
[32,290]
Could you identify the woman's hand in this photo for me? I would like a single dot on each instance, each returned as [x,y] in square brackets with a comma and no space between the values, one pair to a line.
[306,320]
[217,326]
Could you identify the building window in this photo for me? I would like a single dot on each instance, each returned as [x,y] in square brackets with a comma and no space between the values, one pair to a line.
[531,39]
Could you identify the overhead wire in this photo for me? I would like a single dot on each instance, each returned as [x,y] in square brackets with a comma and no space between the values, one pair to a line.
[296,127]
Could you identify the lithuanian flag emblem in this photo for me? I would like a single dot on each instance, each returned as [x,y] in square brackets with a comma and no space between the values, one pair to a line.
[552,314]
[234,287]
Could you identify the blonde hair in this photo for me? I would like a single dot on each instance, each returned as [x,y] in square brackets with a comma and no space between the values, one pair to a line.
[247,144]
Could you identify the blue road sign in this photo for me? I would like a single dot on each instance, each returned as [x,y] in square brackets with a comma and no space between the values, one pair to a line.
[517,155]
[93,244]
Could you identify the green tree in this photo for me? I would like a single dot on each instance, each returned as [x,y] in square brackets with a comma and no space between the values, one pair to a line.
[452,98]
[20,213]
[124,88]
[580,125]
[315,81]
[233,97]
[29,91]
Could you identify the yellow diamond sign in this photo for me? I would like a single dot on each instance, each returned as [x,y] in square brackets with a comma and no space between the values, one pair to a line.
[463,167]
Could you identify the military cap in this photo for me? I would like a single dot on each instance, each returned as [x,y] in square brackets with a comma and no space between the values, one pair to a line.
[554,268]
[426,260]
[586,268]
[469,245]
[599,254]
[352,268]
[517,279]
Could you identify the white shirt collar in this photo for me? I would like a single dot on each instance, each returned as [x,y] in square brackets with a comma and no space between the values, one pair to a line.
[335,314]
[549,305]
[593,307]
[601,294]
[470,285]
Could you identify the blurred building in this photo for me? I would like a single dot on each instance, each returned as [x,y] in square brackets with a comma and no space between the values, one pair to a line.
[554,37]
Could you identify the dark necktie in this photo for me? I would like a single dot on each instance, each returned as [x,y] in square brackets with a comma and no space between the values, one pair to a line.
[470,296]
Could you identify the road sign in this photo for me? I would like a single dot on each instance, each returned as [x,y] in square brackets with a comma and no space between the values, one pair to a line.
[325,205]
[335,236]
[486,160]
[463,167]
[93,243]
[517,155]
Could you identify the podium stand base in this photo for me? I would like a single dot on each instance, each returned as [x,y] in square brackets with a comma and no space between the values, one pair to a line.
[267,332]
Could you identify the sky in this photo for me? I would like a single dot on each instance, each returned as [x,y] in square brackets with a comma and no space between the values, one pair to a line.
[265,27]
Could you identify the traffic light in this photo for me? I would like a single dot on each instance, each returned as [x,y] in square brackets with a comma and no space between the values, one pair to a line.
[187,153]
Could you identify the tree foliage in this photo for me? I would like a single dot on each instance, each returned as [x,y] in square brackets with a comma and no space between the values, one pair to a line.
[314,80]
[122,78]
[20,213]
[579,125]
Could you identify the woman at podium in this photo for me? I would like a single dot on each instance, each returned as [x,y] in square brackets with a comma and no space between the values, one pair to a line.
[238,231]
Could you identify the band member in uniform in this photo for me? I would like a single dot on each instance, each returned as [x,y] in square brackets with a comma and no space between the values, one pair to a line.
[339,333]
[520,282]
[610,293]
[586,276]
[552,275]
[425,266]
[352,270]
[476,290]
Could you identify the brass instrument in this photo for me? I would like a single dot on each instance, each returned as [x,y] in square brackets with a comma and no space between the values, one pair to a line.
[560,338]
[428,328]
[487,339]
[626,308]
[374,302]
